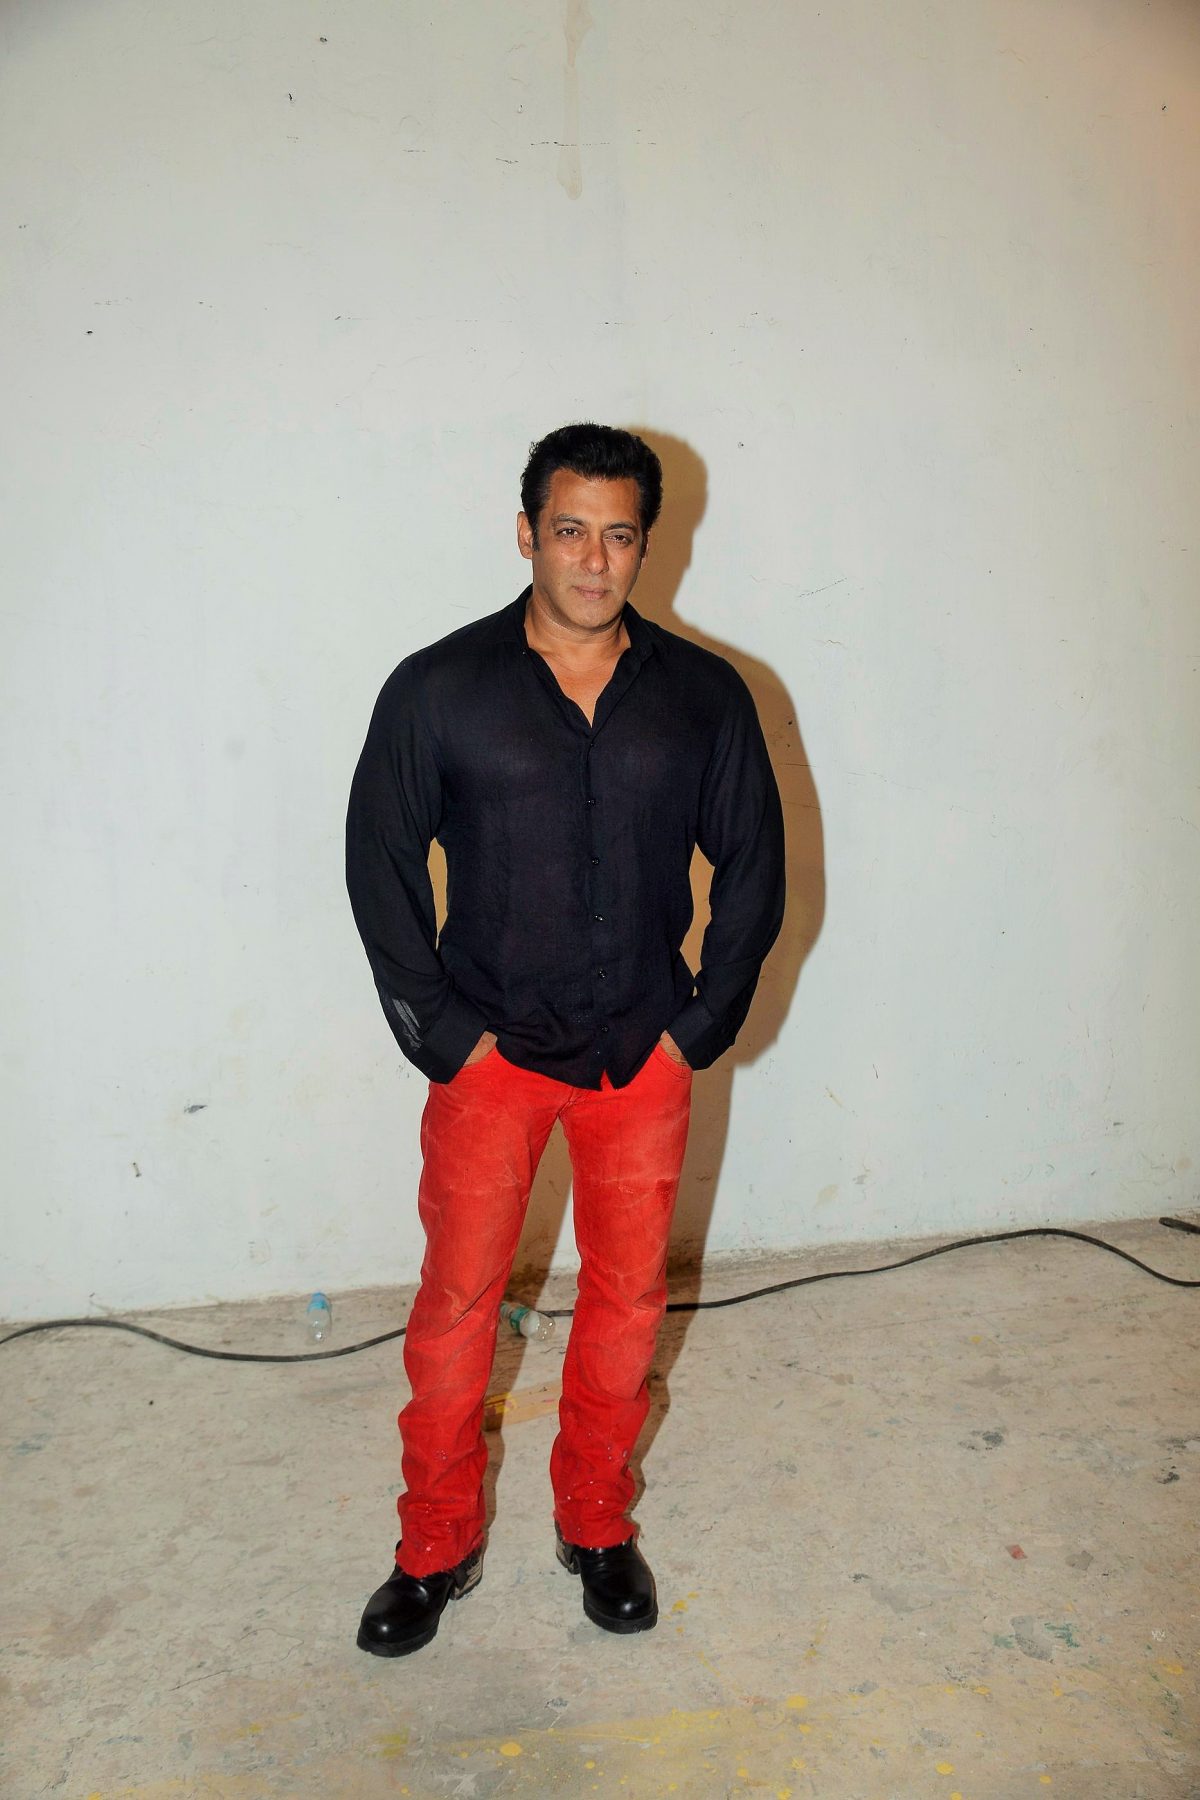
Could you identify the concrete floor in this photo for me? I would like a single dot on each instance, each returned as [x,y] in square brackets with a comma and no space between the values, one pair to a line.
[930,1533]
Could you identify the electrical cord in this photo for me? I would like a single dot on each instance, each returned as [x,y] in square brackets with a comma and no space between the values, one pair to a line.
[673,1306]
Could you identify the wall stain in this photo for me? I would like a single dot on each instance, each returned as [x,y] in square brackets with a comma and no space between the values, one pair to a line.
[577,22]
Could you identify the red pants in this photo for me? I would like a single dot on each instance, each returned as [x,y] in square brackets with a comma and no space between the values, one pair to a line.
[482,1137]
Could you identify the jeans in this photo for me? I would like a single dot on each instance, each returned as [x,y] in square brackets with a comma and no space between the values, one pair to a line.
[482,1137]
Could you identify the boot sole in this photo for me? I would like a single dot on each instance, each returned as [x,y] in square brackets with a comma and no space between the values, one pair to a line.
[374,1648]
[622,1626]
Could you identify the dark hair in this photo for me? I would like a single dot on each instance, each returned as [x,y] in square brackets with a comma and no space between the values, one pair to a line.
[598,453]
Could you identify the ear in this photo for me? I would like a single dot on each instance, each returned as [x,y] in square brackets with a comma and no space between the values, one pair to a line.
[525,543]
[645,547]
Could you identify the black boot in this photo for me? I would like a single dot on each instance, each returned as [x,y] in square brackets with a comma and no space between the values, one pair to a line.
[618,1588]
[404,1613]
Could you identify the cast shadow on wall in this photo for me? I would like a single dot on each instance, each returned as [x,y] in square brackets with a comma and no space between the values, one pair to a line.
[685,486]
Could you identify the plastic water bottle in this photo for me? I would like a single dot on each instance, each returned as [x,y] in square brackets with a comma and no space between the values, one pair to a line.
[524,1322]
[318,1319]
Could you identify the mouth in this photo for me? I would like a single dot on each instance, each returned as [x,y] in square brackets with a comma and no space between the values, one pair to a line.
[592,593]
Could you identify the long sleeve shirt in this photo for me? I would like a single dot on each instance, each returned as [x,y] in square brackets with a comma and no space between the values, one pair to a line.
[568,848]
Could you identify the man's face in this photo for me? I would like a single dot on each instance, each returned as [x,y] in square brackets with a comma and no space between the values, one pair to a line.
[589,549]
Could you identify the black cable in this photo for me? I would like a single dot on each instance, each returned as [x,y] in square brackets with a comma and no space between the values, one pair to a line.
[674,1306]
[198,1349]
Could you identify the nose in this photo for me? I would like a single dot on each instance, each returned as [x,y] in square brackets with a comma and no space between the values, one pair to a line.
[596,557]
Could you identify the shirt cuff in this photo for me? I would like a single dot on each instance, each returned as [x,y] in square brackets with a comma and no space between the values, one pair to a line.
[451,1039]
[692,1030]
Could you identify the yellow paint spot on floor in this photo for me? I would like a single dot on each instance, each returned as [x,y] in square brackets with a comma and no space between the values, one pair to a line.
[257,1726]
[1170,1668]
[797,1702]
[1046,1780]
[783,1794]
[981,1689]
[945,1768]
[510,1749]
[392,1744]
[525,1403]
[679,1606]
[589,1765]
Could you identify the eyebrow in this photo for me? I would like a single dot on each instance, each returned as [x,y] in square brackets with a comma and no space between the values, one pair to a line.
[574,519]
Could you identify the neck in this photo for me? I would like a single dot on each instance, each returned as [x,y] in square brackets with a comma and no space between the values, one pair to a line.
[552,636]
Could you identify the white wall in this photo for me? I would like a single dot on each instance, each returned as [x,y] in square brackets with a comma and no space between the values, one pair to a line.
[907,295]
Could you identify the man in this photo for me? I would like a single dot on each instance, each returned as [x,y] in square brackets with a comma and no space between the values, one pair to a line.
[567,755]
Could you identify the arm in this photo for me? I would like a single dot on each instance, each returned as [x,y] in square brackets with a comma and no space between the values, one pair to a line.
[394,813]
[740,831]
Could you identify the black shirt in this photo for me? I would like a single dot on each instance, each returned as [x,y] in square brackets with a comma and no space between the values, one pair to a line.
[568,850]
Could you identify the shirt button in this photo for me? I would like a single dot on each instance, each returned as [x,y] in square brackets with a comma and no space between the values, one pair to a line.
[590,803]
[595,862]
[600,975]
[604,1031]
[599,918]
